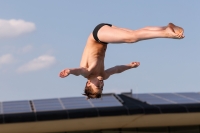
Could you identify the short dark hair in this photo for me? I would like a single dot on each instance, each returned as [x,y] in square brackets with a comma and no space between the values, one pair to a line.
[89,92]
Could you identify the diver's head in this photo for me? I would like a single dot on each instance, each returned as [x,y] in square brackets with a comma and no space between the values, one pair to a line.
[94,87]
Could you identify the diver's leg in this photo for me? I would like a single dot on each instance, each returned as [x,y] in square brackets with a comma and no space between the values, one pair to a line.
[120,35]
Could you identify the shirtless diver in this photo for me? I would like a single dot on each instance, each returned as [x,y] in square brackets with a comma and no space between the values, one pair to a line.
[92,62]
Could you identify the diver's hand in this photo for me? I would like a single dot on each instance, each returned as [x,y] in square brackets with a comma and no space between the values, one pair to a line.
[64,73]
[134,64]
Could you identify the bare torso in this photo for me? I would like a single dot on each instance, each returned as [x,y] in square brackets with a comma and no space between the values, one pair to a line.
[93,57]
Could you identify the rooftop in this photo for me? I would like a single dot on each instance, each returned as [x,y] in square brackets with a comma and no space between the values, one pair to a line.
[123,110]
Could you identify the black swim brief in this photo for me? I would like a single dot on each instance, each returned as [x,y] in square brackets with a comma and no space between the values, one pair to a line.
[95,31]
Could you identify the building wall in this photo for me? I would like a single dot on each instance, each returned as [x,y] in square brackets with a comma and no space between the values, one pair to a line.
[180,129]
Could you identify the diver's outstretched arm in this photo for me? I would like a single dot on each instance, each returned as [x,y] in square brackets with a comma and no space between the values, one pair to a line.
[119,69]
[75,71]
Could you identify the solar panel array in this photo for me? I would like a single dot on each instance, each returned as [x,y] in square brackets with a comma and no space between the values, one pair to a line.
[1,109]
[105,101]
[108,100]
[81,102]
[47,105]
[15,107]
[57,104]
[75,103]
[168,98]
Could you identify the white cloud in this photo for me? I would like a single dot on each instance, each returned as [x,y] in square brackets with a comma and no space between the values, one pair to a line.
[13,27]
[41,62]
[25,49]
[6,59]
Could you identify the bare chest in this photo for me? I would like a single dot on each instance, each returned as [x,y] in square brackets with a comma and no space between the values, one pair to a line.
[93,56]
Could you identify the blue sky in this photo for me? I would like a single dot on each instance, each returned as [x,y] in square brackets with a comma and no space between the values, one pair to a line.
[40,38]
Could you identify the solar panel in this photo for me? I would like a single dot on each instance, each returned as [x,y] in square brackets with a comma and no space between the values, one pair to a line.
[16,107]
[191,95]
[168,98]
[105,101]
[1,108]
[151,99]
[75,103]
[47,105]
[175,98]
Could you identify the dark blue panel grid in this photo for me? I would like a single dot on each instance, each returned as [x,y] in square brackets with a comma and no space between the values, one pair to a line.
[1,108]
[75,103]
[105,101]
[177,99]
[168,98]
[47,105]
[16,107]
[151,99]
[191,95]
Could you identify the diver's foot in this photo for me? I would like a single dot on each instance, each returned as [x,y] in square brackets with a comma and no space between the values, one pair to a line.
[173,31]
